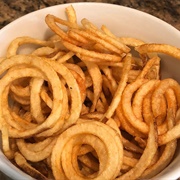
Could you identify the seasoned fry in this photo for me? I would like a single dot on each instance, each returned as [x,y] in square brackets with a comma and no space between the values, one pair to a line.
[127,109]
[93,54]
[167,154]
[159,48]
[21,161]
[147,156]
[122,84]
[35,156]
[13,47]
[74,131]
[95,74]
[140,96]
[71,14]
[98,33]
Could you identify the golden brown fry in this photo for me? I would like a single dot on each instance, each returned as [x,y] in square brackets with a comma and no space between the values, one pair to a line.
[140,96]
[98,40]
[166,155]
[43,51]
[23,164]
[93,54]
[109,39]
[60,124]
[36,110]
[146,157]
[50,75]
[45,97]
[129,161]
[125,123]
[81,84]
[74,131]
[51,21]
[159,93]
[5,143]
[89,162]
[148,66]
[122,84]
[159,48]
[20,90]
[14,45]
[71,14]
[108,72]
[129,41]
[96,76]
[78,37]
[127,109]
[65,57]
[35,156]
[170,135]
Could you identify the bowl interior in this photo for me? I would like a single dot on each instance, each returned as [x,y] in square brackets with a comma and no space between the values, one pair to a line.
[122,21]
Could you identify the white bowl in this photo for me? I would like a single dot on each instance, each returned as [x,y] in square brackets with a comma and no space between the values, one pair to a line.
[122,21]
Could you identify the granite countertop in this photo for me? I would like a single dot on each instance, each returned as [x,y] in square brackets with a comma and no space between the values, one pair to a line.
[167,10]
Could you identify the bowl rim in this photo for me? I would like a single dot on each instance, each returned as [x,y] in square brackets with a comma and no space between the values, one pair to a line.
[92,3]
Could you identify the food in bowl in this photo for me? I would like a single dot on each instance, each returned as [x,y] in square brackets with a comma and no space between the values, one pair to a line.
[86,103]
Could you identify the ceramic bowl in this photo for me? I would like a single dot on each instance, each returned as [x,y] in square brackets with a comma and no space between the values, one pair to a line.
[122,21]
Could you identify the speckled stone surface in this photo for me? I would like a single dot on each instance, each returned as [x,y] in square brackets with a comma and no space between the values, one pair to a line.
[167,10]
